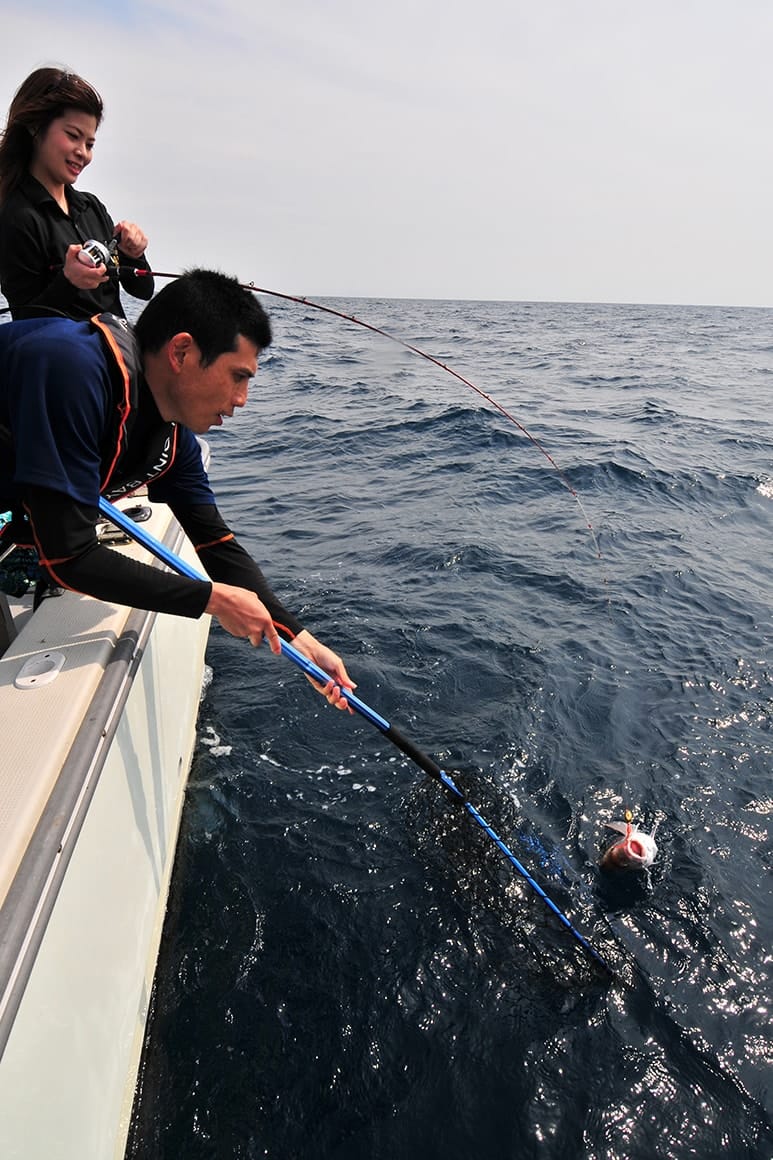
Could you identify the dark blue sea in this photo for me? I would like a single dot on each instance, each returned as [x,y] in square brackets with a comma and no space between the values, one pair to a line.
[351,969]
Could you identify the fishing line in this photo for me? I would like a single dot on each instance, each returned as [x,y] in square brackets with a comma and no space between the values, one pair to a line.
[300,300]
[303,301]
[391,732]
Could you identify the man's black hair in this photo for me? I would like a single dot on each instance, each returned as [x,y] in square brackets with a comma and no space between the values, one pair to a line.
[212,307]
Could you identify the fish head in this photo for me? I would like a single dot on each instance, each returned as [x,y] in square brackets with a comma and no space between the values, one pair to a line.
[635,850]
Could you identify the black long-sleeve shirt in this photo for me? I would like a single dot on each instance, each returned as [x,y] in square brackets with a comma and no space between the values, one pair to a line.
[64,534]
[34,235]
[58,401]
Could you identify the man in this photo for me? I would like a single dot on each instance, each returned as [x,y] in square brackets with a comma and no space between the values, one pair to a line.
[90,409]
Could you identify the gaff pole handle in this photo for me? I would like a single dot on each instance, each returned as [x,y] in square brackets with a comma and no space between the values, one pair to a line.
[147,540]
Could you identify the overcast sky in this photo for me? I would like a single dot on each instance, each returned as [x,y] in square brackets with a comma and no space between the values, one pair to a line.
[581,150]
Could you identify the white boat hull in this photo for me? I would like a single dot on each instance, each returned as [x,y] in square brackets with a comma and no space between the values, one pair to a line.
[90,803]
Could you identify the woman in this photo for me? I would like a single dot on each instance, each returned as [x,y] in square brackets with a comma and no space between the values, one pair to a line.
[48,142]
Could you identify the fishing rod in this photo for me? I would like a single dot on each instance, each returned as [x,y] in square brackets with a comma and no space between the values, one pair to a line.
[96,253]
[303,301]
[144,538]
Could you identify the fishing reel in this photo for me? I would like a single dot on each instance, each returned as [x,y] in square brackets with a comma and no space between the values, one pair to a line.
[95,254]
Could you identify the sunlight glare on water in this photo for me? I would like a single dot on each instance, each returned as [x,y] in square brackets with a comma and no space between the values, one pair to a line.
[350,968]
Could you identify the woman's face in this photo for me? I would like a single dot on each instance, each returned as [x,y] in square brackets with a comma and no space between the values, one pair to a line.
[64,149]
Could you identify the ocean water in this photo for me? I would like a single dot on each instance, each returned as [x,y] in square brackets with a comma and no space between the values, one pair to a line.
[351,970]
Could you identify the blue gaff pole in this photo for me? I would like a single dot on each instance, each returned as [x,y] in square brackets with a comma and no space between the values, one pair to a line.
[173,561]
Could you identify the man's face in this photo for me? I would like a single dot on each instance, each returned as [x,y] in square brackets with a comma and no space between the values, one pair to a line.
[203,396]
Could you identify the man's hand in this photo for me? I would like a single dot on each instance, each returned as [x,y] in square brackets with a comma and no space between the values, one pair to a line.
[242,614]
[331,663]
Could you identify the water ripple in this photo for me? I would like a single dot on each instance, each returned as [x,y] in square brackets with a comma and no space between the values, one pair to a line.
[350,967]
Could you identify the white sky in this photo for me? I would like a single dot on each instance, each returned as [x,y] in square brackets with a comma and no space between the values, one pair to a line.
[583,150]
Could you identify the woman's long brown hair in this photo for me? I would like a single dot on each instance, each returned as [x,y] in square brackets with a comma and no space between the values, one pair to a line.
[39,100]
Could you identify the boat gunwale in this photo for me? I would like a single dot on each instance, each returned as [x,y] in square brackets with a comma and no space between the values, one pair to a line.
[32,895]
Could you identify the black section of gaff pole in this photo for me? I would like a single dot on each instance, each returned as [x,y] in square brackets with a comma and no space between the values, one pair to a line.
[409,748]
[416,755]
[434,770]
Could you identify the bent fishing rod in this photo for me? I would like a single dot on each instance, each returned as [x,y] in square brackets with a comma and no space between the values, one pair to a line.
[303,301]
[146,540]
[96,253]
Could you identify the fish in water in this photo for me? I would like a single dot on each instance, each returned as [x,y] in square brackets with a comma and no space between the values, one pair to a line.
[635,850]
